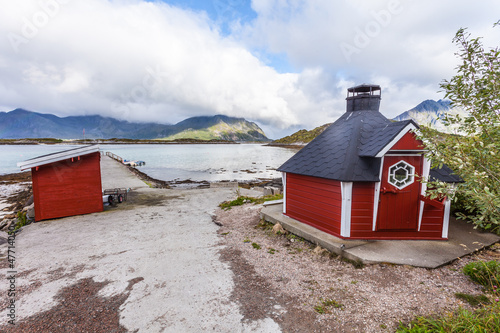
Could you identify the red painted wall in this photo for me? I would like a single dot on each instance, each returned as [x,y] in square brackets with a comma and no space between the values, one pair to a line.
[409,141]
[362,218]
[314,201]
[362,208]
[68,188]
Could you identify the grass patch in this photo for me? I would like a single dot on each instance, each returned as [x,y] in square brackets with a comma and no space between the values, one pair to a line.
[484,273]
[325,305]
[264,225]
[482,320]
[294,238]
[271,251]
[473,300]
[241,200]
[256,246]
[22,220]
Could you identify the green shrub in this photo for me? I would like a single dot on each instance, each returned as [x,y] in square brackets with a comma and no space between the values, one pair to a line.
[484,273]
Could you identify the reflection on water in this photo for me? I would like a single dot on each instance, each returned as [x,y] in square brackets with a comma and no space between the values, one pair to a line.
[212,162]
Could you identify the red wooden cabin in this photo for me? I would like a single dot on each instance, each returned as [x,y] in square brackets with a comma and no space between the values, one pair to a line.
[359,179]
[66,183]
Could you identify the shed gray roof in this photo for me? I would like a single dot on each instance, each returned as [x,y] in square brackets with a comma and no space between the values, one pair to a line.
[57,156]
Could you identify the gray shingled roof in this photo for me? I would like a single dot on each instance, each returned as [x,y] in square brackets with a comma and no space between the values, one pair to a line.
[444,174]
[334,154]
[346,150]
[374,140]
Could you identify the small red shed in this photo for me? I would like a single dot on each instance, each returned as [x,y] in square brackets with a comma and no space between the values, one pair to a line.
[359,179]
[66,183]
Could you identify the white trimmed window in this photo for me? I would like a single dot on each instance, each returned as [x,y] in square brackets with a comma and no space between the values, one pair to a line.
[401,175]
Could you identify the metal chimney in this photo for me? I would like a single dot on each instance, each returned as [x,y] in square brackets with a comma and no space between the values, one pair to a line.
[365,97]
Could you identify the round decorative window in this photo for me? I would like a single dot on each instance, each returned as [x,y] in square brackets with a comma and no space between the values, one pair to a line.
[401,174]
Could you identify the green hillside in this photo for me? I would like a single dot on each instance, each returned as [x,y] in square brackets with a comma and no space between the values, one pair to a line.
[235,131]
[301,137]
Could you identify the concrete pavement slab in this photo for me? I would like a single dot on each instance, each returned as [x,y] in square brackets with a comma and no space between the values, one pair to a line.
[166,242]
[463,240]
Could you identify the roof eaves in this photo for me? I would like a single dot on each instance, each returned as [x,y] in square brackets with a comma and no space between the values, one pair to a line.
[56,157]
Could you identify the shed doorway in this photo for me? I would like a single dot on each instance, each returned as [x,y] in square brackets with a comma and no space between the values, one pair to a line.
[399,193]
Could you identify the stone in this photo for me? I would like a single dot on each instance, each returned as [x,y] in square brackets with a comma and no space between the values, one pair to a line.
[268,191]
[25,209]
[276,190]
[30,213]
[278,228]
[9,223]
[10,216]
[30,201]
[320,251]
[3,224]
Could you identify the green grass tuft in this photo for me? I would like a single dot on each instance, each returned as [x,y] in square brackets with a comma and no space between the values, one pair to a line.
[256,246]
[325,305]
[484,273]
[473,300]
[484,320]
[241,200]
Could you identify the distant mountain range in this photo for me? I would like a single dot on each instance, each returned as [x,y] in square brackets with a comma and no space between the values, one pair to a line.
[430,113]
[19,123]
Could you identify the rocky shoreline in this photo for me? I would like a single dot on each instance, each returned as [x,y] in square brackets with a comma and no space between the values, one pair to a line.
[188,183]
[16,200]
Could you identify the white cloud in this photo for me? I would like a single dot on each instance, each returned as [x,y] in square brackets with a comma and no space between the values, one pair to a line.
[409,43]
[142,62]
[148,61]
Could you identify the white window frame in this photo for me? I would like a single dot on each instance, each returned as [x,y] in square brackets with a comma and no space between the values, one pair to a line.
[412,168]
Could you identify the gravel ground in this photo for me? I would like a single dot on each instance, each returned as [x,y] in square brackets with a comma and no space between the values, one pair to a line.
[297,277]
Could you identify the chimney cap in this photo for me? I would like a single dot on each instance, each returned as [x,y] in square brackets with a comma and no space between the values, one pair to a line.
[364,89]
[365,97]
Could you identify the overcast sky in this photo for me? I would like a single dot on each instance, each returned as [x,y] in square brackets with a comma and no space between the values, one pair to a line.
[285,64]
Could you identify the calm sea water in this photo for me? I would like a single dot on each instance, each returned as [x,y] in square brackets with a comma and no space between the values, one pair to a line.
[212,162]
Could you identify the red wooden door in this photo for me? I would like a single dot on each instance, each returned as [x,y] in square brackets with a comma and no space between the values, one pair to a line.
[399,193]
